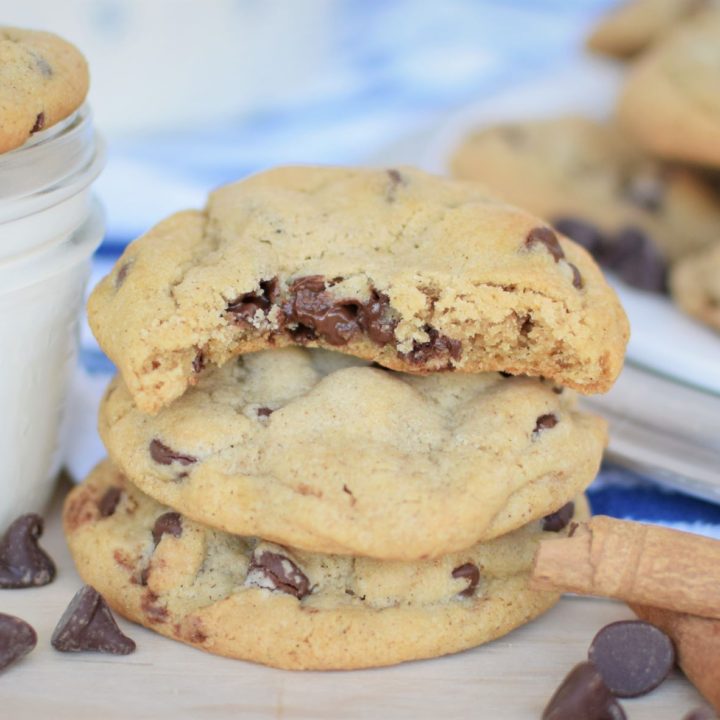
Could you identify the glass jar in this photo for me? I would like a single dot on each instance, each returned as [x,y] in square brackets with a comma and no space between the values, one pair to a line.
[50,224]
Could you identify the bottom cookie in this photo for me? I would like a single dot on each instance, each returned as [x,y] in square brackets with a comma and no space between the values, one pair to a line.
[695,285]
[253,600]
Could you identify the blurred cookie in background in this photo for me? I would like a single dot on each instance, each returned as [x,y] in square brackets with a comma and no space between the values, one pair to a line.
[670,103]
[633,26]
[632,212]
[695,285]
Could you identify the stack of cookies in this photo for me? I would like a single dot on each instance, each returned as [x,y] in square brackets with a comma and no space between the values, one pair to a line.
[344,418]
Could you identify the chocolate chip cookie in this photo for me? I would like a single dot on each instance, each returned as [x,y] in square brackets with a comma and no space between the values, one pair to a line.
[670,103]
[591,182]
[695,285]
[321,451]
[252,599]
[632,27]
[43,79]
[412,271]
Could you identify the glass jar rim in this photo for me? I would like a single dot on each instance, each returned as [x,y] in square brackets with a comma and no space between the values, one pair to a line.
[51,166]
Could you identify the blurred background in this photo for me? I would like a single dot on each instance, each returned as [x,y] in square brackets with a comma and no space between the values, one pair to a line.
[193,93]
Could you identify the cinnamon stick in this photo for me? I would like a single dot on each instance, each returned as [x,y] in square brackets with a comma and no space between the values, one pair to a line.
[697,644]
[638,563]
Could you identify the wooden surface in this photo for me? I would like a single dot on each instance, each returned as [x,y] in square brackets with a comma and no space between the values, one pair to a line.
[510,679]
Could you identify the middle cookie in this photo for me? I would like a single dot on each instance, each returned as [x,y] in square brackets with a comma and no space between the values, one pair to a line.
[326,453]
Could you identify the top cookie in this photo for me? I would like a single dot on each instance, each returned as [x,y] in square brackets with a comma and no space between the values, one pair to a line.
[415,272]
[588,179]
[633,26]
[671,99]
[43,79]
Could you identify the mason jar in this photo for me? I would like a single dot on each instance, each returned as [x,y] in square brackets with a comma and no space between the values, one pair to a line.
[50,224]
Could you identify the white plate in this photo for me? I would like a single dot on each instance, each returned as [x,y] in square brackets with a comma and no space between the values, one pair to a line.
[663,339]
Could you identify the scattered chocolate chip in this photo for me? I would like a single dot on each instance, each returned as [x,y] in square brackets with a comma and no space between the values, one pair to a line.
[545,422]
[17,639]
[88,624]
[164,455]
[436,346]
[264,412]
[154,612]
[23,563]
[198,363]
[632,656]
[557,521]
[527,325]
[545,236]
[170,523]
[246,306]
[470,572]
[647,191]
[583,695]
[636,260]
[558,390]
[277,572]
[395,176]
[43,65]
[583,233]
[577,280]
[109,501]
[39,123]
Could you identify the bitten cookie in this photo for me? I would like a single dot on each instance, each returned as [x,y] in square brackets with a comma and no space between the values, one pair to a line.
[695,285]
[320,451]
[670,103]
[43,79]
[415,272]
[590,180]
[634,26]
[250,599]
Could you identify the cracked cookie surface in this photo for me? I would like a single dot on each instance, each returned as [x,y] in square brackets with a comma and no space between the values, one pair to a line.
[670,103]
[250,599]
[589,180]
[43,79]
[415,272]
[321,451]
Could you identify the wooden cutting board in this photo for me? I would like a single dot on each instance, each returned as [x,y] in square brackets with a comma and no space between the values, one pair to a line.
[510,679]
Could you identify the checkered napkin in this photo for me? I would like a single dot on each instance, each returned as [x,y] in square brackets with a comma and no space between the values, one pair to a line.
[399,66]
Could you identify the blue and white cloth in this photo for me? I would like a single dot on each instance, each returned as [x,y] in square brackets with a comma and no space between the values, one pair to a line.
[398,67]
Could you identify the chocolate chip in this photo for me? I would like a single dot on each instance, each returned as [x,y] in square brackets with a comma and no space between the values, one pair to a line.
[109,501]
[170,523]
[122,274]
[311,306]
[583,233]
[632,656]
[470,572]
[647,191]
[23,563]
[39,123]
[17,639]
[545,236]
[264,412]
[437,346]
[577,280]
[164,455]
[277,572]
[636,260]
[557,521]
[374,318]
[245,307]
[198,363]
[43,65]
[545,422]
[506,374]
[583,695]
[395,179]
[88,624]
